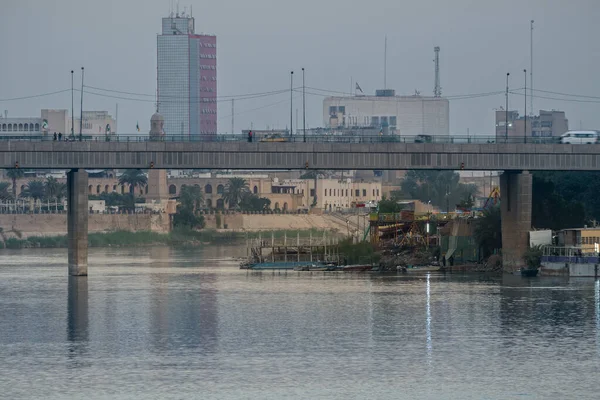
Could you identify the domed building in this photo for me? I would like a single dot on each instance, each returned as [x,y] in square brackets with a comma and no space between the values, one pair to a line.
[157,123]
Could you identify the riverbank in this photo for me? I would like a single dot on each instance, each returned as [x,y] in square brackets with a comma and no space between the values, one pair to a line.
[177,237]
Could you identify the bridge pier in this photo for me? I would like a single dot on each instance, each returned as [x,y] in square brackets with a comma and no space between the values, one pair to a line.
[77,221]
[516,192]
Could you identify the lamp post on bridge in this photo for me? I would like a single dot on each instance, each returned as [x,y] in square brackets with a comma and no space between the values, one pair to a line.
[525,133]
[506,118]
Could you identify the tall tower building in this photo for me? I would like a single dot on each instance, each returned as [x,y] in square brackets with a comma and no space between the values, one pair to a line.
[187,79]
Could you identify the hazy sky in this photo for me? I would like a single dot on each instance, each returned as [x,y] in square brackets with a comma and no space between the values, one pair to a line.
[260,41]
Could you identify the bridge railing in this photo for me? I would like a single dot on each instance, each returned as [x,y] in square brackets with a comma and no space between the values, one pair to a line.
[299,138]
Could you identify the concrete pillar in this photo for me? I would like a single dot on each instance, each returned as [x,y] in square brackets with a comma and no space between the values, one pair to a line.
[77,221]
[515,203]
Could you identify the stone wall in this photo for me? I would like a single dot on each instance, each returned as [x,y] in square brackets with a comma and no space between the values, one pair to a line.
[56,224]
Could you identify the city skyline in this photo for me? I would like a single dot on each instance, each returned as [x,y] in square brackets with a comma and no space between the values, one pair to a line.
[257,50]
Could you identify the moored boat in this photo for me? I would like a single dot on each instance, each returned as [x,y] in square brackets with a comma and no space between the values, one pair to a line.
[357,267]
[529,272]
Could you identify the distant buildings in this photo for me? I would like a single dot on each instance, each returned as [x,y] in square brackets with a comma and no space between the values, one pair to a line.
[546,124]
[187,78]
[96,124]
[400,115]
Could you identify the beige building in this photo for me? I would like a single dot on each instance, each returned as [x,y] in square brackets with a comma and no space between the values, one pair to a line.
[404,115]
[96,124]
[289,194]
[547,124]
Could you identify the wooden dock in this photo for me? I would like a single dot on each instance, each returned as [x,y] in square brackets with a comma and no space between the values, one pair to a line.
[268,248]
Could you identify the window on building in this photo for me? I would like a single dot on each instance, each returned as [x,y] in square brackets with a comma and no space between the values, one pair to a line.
[255,189]
[332,110]
[342,109]
[220,190]
[312,192]
[384,121]
[357,192]
[377,192]
[364,192]
[393,120]
[374,121]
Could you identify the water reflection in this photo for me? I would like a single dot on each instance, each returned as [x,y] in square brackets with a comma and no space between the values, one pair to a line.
[183,312]
[77,315]
[165,323]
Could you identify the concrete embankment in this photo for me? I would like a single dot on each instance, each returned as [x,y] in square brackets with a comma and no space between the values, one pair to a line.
[257,222]
[56,224]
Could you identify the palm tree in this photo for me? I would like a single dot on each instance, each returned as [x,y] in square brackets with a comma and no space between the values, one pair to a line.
[488,231]
[191,197]
[35,190]
[15,174]
[5,194]
[134,178]
[55,190]
[235,191]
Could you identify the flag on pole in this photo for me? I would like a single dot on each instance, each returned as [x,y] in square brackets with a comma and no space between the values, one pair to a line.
[137,126]
[358,87]
[107,128]
[45,124]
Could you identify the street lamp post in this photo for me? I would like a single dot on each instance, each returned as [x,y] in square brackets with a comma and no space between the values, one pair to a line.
[81,111]
[525,134]
[303,106]
[72,110]
[506,118]
[291,101]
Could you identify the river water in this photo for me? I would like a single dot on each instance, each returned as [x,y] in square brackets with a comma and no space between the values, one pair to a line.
[163,323]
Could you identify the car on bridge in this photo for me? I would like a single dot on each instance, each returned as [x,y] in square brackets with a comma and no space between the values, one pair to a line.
[579,137]
[423,139]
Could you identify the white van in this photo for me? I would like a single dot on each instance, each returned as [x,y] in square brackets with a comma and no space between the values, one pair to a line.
[579,137]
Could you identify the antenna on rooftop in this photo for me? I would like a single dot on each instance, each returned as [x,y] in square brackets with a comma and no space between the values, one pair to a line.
[437,90]
[385,63]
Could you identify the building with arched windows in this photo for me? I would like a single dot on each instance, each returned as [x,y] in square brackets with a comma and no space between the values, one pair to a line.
[96,124]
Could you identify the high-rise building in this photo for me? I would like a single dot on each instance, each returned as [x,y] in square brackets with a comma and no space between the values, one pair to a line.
[187,79]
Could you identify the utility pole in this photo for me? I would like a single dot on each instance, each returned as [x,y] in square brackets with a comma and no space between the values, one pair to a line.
[506,119]
[81,111]
[232,117]
[291,102]
[303,106]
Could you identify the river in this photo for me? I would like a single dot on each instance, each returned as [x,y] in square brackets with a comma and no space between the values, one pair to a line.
[166,323]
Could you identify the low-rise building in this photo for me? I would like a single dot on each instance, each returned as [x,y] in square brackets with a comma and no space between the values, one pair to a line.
[546,124]
[288,194]
[96,124]
[586,239]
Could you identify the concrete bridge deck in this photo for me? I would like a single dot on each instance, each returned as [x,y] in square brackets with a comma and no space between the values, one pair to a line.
[515,159]
[298,155]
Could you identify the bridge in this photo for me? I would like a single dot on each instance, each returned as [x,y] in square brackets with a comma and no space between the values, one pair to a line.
[515,159]
[298,155]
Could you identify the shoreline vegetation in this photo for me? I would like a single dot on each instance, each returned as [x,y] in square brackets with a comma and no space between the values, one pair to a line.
[178,237]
